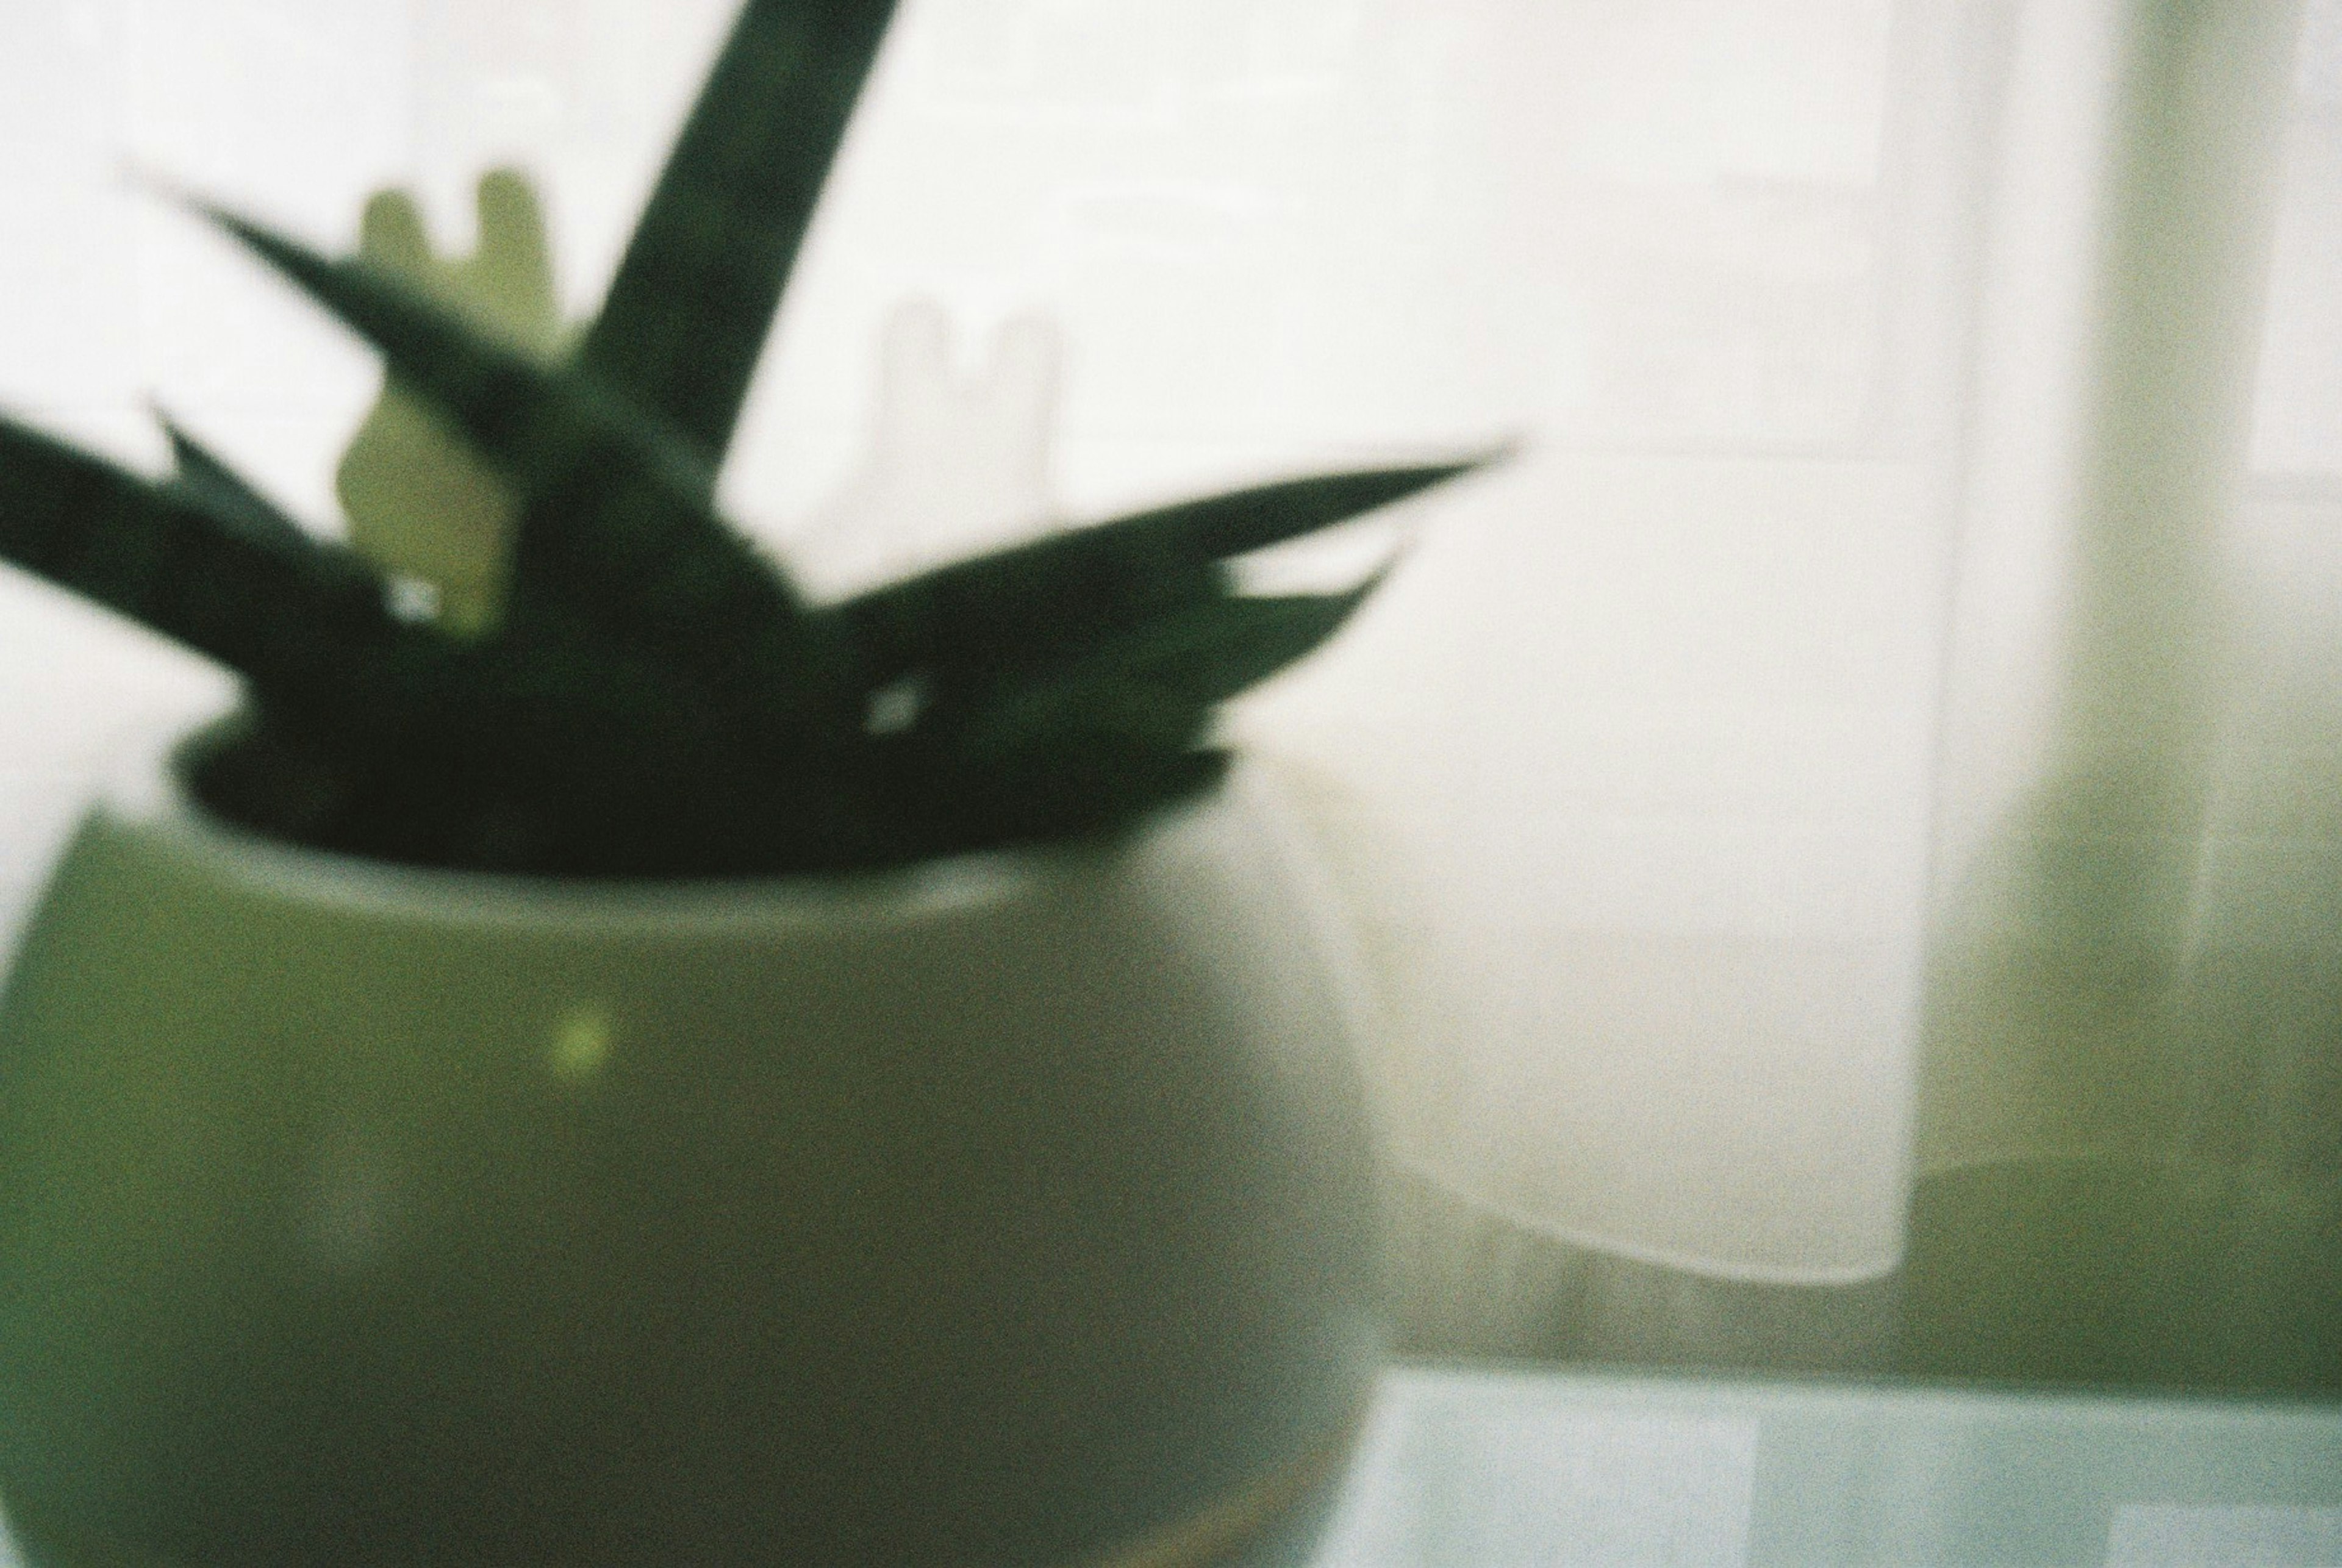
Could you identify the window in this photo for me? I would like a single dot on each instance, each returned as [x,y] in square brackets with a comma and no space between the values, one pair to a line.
[1707,781]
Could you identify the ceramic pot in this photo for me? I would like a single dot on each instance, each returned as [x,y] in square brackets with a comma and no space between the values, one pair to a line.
[1009,1209]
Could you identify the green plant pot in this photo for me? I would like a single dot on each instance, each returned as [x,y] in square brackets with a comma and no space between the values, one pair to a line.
[1011,1209]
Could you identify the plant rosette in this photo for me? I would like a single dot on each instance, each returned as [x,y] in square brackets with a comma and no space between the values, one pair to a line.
[1014,1207]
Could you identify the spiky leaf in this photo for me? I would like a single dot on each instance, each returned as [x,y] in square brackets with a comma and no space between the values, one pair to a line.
[204,478]
[656,701]
[275,604]
[616,522]
[1161,679]
[1064,590]
[1105,736]
[686,317]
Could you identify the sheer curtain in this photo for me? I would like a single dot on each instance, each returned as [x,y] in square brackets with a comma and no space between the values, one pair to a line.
[2131,1096]
[1687,781]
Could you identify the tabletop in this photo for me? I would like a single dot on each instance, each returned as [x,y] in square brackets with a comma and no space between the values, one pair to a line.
[1489,1467]
[1497,1468]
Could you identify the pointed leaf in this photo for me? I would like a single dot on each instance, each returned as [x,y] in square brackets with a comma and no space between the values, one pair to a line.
[286,612]
[205,479]
[1069,589]
[533,422]
[1223,648]
[615,517]
[302,619]
[688,310]
[1162,680]
[1239,521]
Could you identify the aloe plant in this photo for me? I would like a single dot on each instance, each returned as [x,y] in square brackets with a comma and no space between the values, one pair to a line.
[634,689]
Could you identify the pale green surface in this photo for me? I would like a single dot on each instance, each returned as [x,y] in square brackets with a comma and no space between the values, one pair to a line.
[1791,1475]
[2125,1273]
[2160,1205]
[422,506]
[1002,1208]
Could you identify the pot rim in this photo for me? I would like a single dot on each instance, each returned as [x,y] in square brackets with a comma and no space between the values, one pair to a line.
[144,796]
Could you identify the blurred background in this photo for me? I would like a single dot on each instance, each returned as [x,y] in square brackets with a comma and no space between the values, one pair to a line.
[1845,824]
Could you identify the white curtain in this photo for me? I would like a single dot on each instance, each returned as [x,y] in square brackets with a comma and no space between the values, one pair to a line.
[1687,781]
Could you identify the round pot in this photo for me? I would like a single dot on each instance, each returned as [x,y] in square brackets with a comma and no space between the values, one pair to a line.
[1009,1209]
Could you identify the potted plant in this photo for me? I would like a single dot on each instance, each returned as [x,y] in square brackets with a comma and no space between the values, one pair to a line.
[625,1064]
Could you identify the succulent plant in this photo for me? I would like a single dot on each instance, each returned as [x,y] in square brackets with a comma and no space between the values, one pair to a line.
[624,685]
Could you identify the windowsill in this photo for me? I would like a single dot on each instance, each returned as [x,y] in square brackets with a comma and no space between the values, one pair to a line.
[1486,1468]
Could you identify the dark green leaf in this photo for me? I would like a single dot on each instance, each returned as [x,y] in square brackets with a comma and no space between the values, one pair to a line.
[687,312]
[1160,683]
[1068,590]
[533,423]
[616,518]
[1215,527]
[302,619]
[203,478]
[291,613]
[1220,649]
[559,756]
[1100,778]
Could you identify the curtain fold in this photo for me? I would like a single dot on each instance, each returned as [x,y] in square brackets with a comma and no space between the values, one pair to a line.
[1468,1281]
[2122,1056]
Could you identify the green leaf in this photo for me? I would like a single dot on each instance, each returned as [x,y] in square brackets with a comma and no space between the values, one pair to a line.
[208,482]
[687,315]
[1237,522]
[1097,780]
[1068,590]
[291,612]
[1160,680]
[1098,739]
[417,729]
[534,423]
[561,755]
[616,522]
